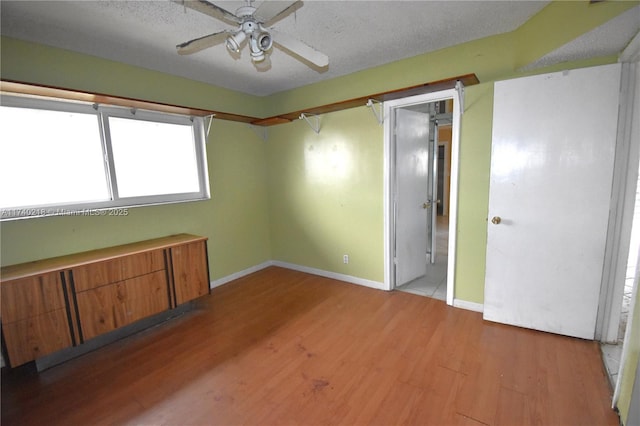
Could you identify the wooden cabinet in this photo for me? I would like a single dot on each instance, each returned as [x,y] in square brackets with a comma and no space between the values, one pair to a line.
[34,317]
[189,271]
[57,303]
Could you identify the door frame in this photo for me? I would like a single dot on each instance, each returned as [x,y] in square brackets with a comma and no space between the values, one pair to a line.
[623,202]
[446,183]
[389,173]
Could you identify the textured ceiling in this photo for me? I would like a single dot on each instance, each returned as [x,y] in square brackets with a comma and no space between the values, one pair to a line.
[607,39]
[354,34]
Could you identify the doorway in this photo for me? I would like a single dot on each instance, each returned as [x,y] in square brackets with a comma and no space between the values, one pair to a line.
[431,279]
[421,149]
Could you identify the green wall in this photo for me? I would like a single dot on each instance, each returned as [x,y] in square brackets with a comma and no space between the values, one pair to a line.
[33,63]
[271,200]
[491,59]
[473,192]
[325,193]
[233,219]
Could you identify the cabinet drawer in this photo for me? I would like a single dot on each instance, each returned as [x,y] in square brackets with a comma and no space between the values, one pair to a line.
[28,297]
[108,307]
[34,337]
[111,271]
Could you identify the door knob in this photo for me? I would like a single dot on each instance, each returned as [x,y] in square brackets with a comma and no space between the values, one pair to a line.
[496,220]
[426,205]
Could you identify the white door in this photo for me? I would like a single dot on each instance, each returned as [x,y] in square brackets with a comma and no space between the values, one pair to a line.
[432,193]
[411,202]
[552,158]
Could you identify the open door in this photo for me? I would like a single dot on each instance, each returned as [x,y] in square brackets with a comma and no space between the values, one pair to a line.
[552,157]
[423,203]
[412,203]
[432,192]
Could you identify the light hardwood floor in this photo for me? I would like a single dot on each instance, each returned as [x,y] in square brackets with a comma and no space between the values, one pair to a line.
[288,348]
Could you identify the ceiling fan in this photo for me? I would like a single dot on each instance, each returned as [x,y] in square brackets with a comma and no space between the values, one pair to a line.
[252,27]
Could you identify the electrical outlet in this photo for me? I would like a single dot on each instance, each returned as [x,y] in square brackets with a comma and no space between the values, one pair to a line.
[345,258]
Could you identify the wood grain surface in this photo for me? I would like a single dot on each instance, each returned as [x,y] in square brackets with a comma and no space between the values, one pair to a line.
[284,347]
[110,307]
[76,260]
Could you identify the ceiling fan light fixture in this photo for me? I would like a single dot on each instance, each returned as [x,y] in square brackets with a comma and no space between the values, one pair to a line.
[264,41]
[257,55]
[259,43]
[235,40]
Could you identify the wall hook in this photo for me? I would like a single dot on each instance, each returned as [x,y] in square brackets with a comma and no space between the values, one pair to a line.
[315,126]
[378,113]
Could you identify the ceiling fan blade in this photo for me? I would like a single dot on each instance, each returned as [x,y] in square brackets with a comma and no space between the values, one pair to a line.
[299,48]
[271,11]
[201,43]
[208,8]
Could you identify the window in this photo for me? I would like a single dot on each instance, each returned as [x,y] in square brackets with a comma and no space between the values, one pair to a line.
[60,157]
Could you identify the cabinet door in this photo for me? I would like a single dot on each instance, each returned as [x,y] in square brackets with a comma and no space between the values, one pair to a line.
[109,307]
[190,271]
[37,336]
[32,296]
[34,317]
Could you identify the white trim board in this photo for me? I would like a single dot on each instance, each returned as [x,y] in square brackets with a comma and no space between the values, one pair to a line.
[458,303]
[240,274]
[333,275]
[328,274]
[469,306]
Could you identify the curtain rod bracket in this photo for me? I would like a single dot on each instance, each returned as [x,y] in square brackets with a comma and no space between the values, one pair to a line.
[210,117]
[377,113]
[261,131]
[460,89]
[315,126]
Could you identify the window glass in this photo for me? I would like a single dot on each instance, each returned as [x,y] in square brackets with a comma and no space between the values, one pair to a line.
[69,158]
[153,158]
[50,157]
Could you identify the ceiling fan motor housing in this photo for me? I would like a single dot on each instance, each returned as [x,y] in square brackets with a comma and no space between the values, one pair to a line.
[260,40]
[245,11]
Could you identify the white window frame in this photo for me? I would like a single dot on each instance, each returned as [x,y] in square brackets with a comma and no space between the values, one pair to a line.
[102,113]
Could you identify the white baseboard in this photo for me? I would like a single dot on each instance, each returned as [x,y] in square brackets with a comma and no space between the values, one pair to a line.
[333,275]
[314,271]
[240,274]
[470,306]
[458,303]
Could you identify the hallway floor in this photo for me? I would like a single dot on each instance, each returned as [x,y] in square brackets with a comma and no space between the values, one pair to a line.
[434,283]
